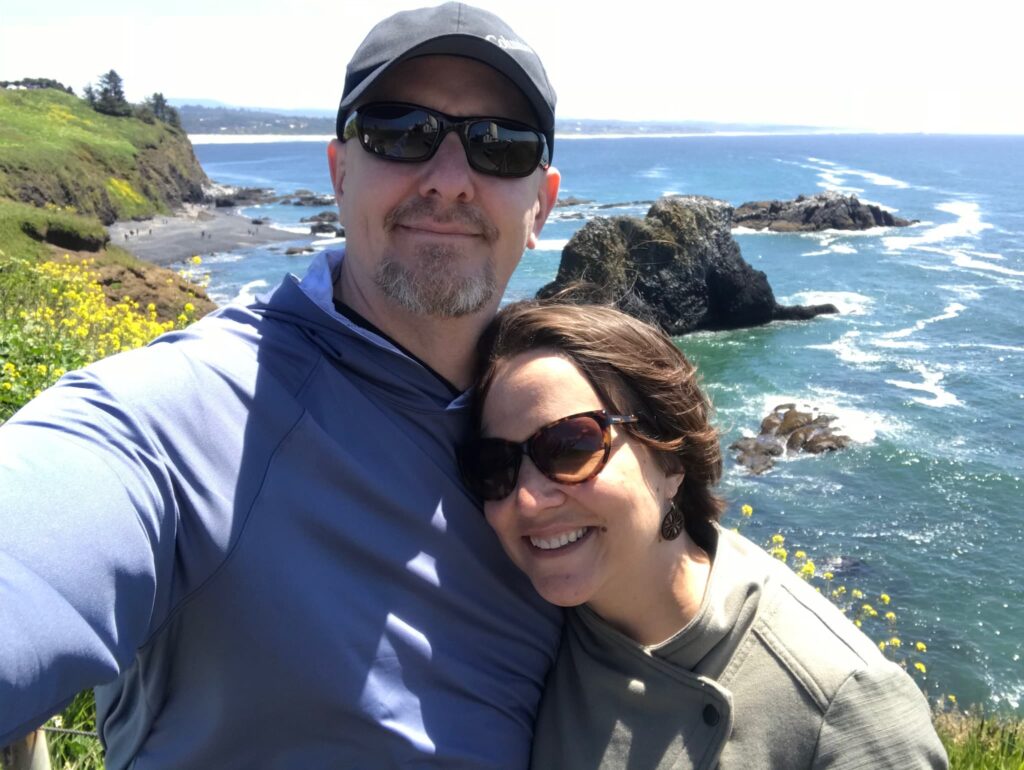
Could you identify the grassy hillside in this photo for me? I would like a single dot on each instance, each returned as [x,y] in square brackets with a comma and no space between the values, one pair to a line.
[65,171]
[54,148]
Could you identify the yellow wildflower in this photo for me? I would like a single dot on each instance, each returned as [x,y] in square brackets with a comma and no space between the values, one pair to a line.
[895,642]
[952,698]
[747,511]
[828,576]
[778,539]
[800,555]
[196,260]
[807,570]
[922,647]
[890,616]
[870,611]
[921,667]
[884,598]
[882,646]
[857,593]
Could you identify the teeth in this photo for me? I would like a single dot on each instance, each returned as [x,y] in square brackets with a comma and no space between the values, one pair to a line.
[558,542]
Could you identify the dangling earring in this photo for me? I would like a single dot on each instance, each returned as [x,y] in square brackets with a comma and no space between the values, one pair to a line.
[672,524]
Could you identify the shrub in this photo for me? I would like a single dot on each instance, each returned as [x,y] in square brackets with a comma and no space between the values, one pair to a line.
[54,317]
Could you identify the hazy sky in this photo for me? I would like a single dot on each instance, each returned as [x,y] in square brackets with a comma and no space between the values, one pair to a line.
[900,65]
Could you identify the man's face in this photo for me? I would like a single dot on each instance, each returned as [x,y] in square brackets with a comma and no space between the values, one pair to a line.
[437,238]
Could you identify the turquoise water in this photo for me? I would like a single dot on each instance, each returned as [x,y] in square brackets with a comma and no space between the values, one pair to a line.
[924,365]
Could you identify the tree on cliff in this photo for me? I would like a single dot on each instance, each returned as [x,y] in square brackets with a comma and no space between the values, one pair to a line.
[109,98]
[31,83]
[161,110]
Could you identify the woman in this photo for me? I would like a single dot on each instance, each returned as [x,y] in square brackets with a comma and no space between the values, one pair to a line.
[686,645]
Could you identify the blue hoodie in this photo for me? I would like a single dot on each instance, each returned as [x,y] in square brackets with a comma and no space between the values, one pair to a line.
[252,535]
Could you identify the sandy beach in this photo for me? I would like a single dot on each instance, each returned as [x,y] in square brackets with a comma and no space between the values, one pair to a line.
[196,229]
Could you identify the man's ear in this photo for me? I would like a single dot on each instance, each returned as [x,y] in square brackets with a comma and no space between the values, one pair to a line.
[546,197]
[336,163]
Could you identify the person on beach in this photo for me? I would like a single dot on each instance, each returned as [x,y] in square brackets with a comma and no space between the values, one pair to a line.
[686,645]
[251,536]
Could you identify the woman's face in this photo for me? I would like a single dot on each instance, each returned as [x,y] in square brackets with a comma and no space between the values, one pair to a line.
[613,519]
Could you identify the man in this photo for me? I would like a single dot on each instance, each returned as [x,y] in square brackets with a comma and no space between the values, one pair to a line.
[252,534]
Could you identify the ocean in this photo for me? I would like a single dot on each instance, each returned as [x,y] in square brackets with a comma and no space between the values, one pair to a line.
[924,364]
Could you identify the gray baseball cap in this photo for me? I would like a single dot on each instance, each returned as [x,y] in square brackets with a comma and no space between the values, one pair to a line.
[452,29]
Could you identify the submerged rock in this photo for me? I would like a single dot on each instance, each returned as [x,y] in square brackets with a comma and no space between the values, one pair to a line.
[825,211]
[679,268]
[788,430]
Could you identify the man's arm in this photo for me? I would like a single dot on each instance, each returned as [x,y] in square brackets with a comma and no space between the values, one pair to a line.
[85,540]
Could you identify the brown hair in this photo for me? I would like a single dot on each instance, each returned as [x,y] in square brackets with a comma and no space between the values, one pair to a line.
[635,369]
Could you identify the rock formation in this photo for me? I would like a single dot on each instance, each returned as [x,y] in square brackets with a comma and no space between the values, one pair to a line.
[826,211]
[679,267]
[788,430]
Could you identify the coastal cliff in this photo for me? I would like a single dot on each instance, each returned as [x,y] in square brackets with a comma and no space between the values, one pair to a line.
[67,170]
[55,149]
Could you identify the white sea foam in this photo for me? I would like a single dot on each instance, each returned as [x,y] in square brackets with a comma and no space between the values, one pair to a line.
[551,244]
[986,346]
[295,229]
[847,302]
[961,259]
[834,173]
[967,225]
[248,292]
[882,206]
[986,255]
[966,292]
[849,350]
[657,172]
[839,248]
[930,383]
[325,242]
[223,258]
[860,425]
[1002,692]
[951,311]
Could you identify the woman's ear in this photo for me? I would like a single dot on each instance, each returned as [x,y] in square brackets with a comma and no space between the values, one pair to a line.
[673,482]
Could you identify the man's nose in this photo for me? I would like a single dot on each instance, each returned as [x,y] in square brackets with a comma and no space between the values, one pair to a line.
[448,174]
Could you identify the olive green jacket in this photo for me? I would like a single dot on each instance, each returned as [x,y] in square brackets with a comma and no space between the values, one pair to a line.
[769,674]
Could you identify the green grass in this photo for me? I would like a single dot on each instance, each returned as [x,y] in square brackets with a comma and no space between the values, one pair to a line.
[24,227]
[55,148]
[975,741]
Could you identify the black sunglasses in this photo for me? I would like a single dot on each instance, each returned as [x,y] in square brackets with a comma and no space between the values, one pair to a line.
[408,133]
[571,450]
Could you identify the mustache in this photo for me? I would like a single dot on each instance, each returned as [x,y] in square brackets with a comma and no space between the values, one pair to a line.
[419,209]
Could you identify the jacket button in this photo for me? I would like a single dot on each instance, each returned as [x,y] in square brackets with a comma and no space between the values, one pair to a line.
[711,715]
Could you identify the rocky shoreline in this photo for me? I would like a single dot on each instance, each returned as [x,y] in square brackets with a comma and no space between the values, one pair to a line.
[196,230]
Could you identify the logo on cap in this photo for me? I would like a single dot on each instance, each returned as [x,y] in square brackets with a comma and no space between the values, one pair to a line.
[503,42]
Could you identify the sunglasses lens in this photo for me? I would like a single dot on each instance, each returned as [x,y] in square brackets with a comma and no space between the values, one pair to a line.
[503,149]
[396,131]
[571,450]
[490,467]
